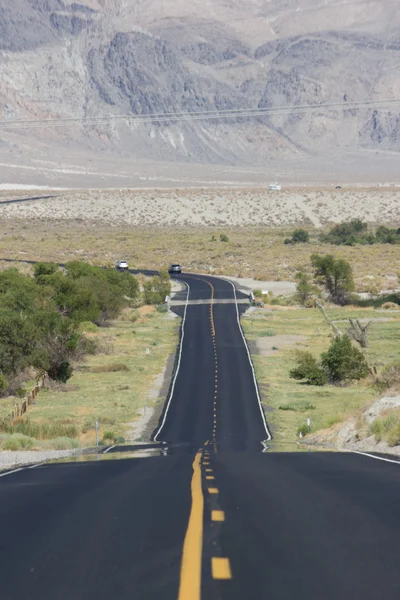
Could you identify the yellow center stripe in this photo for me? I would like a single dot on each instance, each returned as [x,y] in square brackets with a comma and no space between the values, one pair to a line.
[217,515]
[190,576]
[221,568]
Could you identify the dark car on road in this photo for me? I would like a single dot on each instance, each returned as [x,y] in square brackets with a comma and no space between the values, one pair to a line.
[174,269]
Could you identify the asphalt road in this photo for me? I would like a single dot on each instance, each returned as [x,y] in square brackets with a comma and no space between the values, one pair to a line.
[211,516]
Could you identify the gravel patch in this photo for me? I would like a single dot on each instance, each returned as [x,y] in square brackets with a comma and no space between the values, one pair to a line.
[10,459]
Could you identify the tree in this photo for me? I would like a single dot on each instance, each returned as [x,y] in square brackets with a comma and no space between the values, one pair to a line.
[359,332]
[156,289]
[304,288]
[17,342]
[58,344]
[308,369]
[42,269]
[17,291]
[343,362]
[336,275]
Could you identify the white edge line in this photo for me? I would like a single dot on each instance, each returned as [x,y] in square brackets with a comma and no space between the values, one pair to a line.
[396,462]
[178,365]
[14,471]
[109,448]
[250,361]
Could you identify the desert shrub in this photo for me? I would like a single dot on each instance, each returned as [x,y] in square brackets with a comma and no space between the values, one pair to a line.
[62,443]
[303,429]
[109,436]
[384,235]
[349,234]
[88,327]
[389,376]
[107,420]
[19,442]
[110,368]
[223,237]
[39,431]
[376,429]
[390,306]
[162,308]
[133,317]
[387,428]
[156,289]
[308,369]
[393,436]
[299,236]
[297,407]
[343,361]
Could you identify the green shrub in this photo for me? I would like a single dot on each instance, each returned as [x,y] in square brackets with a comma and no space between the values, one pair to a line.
[19,442]
[162,308]
[303,429]
[88,327]
[393,437]
[133,317]
[299,236]
[343,361]
[223,237]
[109,436]
[62,443]
[308,369]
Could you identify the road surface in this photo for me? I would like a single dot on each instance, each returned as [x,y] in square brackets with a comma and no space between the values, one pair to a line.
[215,514]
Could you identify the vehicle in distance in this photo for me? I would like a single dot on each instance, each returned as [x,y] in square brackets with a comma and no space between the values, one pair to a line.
[174,269]
[121,265]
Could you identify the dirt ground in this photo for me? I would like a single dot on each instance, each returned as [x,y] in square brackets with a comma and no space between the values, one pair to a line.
[206,207]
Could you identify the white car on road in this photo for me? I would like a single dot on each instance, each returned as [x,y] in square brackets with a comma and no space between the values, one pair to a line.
[121,265]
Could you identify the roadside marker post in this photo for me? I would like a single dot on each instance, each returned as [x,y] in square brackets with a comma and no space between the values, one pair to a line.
[97,434]
[309,424]
[147,351]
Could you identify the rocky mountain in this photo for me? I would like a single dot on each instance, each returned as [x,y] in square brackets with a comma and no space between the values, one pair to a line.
[99,59]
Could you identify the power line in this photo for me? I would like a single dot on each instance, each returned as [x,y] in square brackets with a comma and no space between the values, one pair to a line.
[243,113]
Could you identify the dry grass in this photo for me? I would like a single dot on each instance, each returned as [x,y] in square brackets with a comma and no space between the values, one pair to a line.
[255,252]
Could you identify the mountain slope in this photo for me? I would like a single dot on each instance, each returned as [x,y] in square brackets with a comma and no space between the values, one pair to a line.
[99,58]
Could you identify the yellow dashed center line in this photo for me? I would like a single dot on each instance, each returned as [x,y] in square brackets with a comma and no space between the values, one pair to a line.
[221,568]
[217,515]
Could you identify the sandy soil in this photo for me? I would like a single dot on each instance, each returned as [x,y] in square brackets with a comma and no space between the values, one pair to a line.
[206,207]
[266,346]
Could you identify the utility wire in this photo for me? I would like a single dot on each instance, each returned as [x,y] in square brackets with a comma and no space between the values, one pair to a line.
[243,113]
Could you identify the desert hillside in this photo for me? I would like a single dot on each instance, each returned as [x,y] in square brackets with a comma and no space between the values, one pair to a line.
[104,58]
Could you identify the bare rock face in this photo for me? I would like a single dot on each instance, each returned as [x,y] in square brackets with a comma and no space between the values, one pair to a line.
[101,59]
